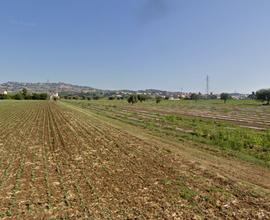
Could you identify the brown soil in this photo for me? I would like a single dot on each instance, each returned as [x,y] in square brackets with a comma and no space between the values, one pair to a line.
[59,162]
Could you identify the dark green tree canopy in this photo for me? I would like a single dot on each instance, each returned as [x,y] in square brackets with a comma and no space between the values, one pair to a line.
[225,97]
[263,95]
[132,99]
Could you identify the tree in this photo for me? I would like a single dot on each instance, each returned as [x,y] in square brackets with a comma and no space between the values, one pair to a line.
[43,96]
[132,99]
[141,98]
[252,95]
[24,92]
[194,96]
[111,97]
[35,96]
[18,96]
[212,96]
[158,99]
[225,97]
[97,97]
[4,96]
[263,95]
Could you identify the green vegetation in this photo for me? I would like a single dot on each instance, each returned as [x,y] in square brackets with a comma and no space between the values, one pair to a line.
[132,99]
[158,99]
[224,135]
[225,97]
[264,95]
[24,94]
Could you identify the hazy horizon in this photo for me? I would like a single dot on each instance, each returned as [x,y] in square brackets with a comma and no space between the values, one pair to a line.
[83,85]
[161,44]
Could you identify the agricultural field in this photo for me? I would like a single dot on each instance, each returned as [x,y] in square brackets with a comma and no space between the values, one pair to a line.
[239,128]
[111,160]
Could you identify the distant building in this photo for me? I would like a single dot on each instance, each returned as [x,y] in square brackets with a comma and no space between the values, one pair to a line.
[54,96]
[4,92]
[173,98]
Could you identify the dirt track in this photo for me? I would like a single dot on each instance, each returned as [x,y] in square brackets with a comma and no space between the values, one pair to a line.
[57,162]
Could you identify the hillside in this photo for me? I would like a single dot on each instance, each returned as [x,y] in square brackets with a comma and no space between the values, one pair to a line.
[67,88]
[45,87]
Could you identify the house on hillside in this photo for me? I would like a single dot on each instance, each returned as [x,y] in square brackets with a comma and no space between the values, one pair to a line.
[54,96]
[4,92]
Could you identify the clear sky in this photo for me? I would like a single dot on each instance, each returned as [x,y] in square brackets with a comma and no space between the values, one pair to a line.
[137,44]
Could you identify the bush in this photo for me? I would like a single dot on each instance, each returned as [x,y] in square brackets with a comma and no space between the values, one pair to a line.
[225,97]
[158,99]
[132,99]
[18,96]
[111,97]
[263,95]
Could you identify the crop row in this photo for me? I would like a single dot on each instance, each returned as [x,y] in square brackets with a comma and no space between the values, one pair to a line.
[247,143]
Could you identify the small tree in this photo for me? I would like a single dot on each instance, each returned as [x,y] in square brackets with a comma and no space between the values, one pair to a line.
[263,95]
[194,96]
[24,92]
[225,97]
[158,99]
[141,98]
[96,97]
[111,97]
[252,95]
[132,99]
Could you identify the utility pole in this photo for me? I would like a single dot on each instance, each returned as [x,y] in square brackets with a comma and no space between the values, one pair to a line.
[207,85]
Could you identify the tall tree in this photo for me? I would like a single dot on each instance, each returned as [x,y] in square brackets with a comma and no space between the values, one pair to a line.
[263,95]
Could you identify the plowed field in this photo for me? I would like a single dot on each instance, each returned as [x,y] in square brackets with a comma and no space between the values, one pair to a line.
[60,163]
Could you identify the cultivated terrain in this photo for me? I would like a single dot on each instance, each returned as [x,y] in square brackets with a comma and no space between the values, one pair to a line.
[111,160]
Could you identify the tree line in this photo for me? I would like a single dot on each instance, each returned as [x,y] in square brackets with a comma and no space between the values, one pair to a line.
[25,95]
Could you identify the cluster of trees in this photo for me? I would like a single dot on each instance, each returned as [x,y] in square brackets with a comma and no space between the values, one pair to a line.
[263,95]
[25,95]
[141,98]
[115,97]
[76,97]
[196,96]
[82,96]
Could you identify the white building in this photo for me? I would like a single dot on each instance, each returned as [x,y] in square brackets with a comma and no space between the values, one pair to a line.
[4,92]
[54,96]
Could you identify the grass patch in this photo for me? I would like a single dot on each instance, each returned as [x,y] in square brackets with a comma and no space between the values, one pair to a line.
[245,143]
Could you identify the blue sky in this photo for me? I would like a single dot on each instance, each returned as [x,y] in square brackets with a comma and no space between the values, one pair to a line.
[137,44]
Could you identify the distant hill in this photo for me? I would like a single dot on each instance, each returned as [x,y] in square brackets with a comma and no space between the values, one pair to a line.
[46,87]
[70,89]
[62,87]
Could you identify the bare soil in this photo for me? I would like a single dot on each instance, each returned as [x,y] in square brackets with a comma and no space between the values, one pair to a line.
[60,162]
